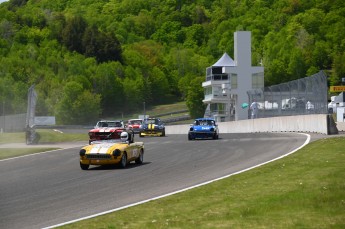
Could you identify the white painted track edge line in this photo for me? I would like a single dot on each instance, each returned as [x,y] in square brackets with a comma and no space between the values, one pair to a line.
[33,154]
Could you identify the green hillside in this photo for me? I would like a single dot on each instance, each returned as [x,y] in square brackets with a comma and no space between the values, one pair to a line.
[166,112]
[93,59]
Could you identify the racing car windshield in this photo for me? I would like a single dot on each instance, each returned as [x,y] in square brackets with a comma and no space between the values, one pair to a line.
[106,141]
[152,121]
[135,122]
[205,123]
[109,124]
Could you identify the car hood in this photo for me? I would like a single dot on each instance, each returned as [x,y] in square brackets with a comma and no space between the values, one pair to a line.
[134,125]
[152,126]
[104,148]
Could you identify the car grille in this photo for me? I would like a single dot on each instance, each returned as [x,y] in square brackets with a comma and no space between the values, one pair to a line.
[98,156]
[203,134]
[152,131]
[102,134]
[106,134]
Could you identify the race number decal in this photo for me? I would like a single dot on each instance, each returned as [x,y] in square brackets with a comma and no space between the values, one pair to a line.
[135,152]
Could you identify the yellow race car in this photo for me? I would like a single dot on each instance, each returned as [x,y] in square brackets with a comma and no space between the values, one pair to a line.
[115,151]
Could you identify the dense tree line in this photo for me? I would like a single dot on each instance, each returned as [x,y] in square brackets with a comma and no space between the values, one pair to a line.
[99,58]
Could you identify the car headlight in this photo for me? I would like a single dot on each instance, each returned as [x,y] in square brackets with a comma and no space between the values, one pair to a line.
[82,152]
[91,134]
[116,153]
[212,129]
[191,129]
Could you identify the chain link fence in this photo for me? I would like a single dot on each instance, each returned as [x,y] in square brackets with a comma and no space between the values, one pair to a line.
[298,97]
[22,122]
[12,123]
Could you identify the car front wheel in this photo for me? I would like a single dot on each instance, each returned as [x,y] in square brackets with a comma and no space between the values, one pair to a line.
[215,136]
[84,166]
[123,163]
[140,159]
[190,137]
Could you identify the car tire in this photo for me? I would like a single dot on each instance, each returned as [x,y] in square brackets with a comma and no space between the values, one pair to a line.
[132,136]
[215,136]
[190,137]
[163,133]
[123,162]
[140,159]
[84,166]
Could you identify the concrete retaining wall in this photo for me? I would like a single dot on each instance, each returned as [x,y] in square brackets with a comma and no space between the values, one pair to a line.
[318,123]
[341,126]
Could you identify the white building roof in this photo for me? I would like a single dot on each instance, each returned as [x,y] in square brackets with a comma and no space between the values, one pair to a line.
[225,61]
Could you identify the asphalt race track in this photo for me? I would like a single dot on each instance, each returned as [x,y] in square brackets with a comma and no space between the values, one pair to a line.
[47,189]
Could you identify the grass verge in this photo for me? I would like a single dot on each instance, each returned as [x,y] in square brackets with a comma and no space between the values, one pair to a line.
[16,152]
[303,190]
[44,136]
[12,138]
[48,135]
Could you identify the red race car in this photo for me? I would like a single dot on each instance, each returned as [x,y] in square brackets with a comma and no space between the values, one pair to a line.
[106,130]
[135,124]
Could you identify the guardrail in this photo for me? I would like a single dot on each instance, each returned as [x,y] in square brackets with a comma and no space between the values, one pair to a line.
[315,123]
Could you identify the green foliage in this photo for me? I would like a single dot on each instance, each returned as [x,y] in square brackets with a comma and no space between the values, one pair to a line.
[194,98]
[104,47]
[133,94]
[159,86]
[106,83]
[195,36]
[77,106]
[169,33]
[151,50]
[73,33]
[339,68]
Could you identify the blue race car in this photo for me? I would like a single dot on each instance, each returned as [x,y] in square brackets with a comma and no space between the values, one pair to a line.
[203,128]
